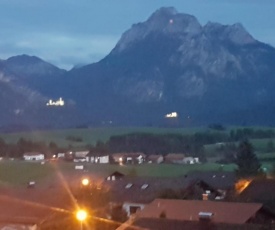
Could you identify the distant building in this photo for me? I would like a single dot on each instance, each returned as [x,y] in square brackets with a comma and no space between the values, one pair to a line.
[115,176]
[59,102]
[191,160]
[155,159]
[129,158]
[82,153]
[171,115]
[180,158]
[33,156]
[98,158]
[77,156]
[80,159]
[175,158]
[60,155]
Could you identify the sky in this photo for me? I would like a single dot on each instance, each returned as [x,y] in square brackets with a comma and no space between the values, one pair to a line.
[69,32]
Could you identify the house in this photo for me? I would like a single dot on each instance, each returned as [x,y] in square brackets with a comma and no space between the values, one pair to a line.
[115,176]
[33,156]
[162,224]
[69,156]
[209,211]
[191,160]
[76,156]
[98,158]
[155,159]
[260,190]
[81,154]
[216,184]
[60,155]
[167,224]
[133,193]
[80,159]
[129,158]
[175,158]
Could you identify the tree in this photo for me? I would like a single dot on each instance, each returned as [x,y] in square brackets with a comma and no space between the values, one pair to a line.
[270,146]
[247,162]
[272,170]
[3,147]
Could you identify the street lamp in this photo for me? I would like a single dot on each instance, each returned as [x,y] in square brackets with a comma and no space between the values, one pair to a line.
[81,215]
[85,182]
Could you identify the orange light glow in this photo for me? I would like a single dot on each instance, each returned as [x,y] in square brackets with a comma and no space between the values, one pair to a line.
[85,182]
[81,215]
[241,185]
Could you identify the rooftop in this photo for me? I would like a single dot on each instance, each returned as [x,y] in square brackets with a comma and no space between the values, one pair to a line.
[222,212]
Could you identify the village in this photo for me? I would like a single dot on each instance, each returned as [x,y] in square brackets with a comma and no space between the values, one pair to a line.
[116,158]
[216,199]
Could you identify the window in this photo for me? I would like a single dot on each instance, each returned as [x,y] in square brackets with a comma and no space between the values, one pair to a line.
[144,186]
[128,186]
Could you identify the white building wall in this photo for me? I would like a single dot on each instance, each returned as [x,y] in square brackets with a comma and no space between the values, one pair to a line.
[38,157]
[126,206]
[104,160]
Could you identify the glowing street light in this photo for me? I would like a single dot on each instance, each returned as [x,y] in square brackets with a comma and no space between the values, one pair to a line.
[85,182]
[81,215]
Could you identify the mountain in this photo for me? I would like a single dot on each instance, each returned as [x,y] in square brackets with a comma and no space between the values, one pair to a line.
[170,62]
[26,84]
[209,73]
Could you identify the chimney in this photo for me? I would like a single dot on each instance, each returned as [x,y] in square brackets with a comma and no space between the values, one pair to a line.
[205,196]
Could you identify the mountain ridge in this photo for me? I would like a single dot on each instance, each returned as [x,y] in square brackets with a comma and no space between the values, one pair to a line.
[170,62]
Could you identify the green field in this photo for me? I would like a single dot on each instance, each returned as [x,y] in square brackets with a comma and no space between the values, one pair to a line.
[18,173]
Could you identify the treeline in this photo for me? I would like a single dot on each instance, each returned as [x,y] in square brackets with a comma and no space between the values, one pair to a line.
[22,146]
[250,133]
[155,143]
[235,135]
[166,143]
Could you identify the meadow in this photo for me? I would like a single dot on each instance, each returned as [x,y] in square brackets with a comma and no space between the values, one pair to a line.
[19,173]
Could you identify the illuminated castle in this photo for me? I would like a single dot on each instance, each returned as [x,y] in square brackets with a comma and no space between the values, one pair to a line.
[171,115]
[59,102]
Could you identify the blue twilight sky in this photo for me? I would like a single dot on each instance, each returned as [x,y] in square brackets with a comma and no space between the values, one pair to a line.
[70,32]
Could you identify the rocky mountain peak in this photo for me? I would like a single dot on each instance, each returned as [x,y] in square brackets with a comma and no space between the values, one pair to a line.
[238,34]
[235,33]
[165,20]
